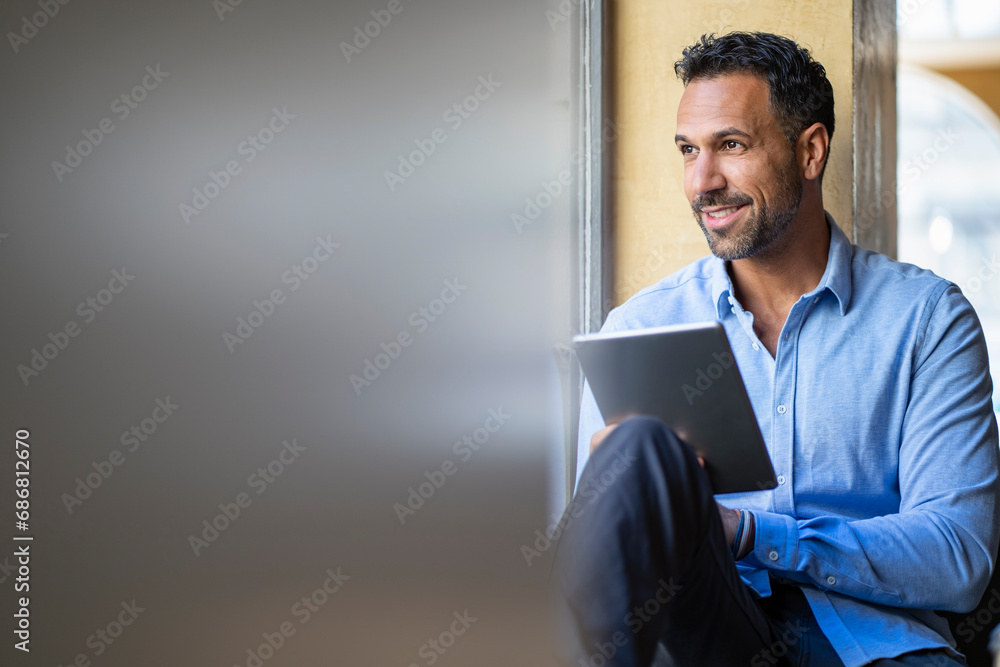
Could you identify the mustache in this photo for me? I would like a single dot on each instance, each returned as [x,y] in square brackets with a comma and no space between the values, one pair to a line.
[714,199]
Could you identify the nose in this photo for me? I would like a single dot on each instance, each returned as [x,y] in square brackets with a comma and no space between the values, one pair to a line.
[704,174]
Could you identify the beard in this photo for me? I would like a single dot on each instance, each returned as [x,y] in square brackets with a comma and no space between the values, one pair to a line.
[763,225]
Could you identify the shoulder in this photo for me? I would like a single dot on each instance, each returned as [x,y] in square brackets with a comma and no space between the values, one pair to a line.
[934,307]
[878,278]
[685,295]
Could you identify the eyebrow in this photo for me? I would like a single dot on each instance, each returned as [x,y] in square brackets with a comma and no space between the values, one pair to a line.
[728,132]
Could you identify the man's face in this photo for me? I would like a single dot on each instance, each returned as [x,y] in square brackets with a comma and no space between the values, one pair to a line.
[740,175]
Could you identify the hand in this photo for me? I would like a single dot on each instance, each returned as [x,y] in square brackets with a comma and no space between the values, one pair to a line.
[730,518]
[601,435]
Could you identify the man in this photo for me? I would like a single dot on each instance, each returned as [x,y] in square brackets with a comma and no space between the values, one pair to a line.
[869,379]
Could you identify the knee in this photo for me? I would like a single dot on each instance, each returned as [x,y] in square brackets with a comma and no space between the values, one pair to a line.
[645,467]
[643,432]
[644,444]
[646,427]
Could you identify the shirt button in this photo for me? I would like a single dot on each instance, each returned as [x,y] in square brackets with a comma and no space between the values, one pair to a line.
[786,336]
[733,309]
[773,555]
[831,580]
[731,300]
[781,409]
[781,479]
[756,346]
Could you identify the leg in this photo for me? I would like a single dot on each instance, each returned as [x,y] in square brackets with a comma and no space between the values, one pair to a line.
[797,636]
[930,658]
[643,558]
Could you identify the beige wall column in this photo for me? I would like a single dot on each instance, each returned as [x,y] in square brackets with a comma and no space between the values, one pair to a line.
[654,232]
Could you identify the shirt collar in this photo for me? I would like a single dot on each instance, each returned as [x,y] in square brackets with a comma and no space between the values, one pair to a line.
[836,278]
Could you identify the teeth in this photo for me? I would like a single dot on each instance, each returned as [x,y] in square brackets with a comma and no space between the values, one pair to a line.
[723,213]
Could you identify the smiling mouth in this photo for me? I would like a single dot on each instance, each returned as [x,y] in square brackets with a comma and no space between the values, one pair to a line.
[721,217]
[722,213]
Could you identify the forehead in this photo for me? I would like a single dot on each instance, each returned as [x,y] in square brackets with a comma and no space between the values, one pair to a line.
[734,100]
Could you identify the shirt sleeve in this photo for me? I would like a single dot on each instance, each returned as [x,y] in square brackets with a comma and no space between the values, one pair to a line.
[939,550]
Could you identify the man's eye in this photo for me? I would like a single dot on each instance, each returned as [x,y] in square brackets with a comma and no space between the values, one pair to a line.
[732,144]
[687,150]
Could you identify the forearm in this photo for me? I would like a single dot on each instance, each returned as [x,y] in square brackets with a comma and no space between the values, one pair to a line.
[934,549]
[918,559]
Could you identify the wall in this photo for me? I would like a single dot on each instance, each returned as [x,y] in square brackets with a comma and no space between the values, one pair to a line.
[654,230]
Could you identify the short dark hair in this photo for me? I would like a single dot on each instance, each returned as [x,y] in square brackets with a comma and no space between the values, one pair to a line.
[800,93]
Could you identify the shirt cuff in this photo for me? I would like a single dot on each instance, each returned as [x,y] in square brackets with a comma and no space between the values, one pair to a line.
[776,542]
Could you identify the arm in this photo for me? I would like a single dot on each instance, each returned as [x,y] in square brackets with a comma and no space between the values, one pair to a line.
[938,551]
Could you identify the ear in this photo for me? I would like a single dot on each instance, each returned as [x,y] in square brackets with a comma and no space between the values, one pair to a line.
[813,149]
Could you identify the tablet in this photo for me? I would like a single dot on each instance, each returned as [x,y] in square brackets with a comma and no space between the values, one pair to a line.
[687,376]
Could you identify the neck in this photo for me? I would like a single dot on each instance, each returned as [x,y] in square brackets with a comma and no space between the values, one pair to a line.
[774,279]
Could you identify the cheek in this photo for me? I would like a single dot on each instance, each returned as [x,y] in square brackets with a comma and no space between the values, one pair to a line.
[746,183]
[688,190]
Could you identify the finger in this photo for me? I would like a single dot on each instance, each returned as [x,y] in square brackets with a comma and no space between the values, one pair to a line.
[701,460]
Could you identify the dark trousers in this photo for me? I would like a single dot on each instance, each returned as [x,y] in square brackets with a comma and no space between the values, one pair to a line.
[644,570]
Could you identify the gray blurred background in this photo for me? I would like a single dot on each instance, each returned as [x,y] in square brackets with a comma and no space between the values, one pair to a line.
[345,118]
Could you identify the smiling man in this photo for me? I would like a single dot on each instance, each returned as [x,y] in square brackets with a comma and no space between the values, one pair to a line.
[869,379]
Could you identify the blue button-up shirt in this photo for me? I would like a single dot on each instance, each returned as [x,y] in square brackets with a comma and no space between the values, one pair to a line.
[876,411]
